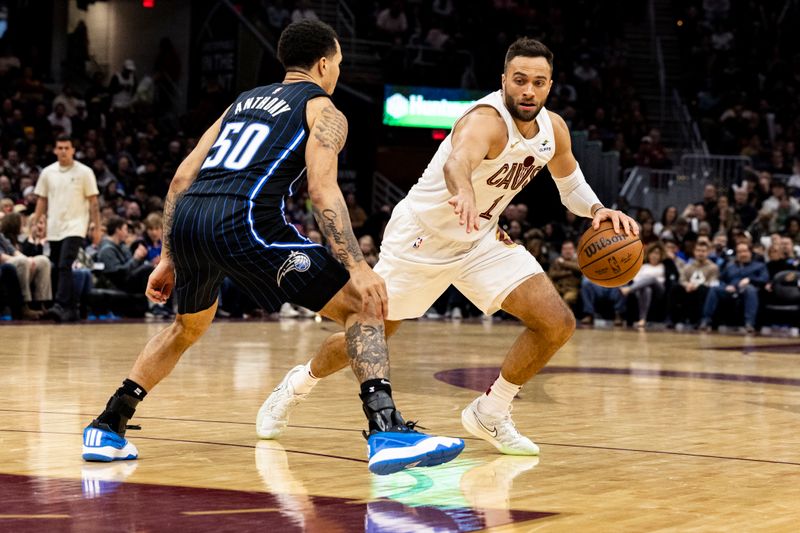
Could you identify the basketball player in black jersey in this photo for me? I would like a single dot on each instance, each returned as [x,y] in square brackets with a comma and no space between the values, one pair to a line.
[223,216]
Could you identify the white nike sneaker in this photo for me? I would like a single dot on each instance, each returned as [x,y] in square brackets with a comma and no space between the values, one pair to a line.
[273,416]
[499,431]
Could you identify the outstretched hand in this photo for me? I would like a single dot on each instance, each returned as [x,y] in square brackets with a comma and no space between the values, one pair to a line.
[464,207]
[619,220]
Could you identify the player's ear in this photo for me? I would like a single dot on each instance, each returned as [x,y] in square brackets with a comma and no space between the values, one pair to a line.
[322,66]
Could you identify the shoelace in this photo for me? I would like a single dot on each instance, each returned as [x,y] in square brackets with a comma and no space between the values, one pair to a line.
[409,425]
[293,400]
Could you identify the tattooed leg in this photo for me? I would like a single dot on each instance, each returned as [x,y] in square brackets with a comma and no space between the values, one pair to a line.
[366,347]
[369,359]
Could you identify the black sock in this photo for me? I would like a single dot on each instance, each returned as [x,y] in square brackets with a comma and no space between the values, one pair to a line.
[121,406]
[374,385]
[131,388]
[378,405]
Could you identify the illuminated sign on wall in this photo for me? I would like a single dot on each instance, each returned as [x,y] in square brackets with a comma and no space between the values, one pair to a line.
[425,107]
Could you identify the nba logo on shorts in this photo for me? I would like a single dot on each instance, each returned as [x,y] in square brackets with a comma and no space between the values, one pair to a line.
[417,242]
[297,261]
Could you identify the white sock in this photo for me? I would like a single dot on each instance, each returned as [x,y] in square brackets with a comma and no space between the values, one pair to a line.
[497,400]
[304,381]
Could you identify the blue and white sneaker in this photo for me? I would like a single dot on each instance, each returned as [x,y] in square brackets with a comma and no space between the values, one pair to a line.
[393,451]
[102,444]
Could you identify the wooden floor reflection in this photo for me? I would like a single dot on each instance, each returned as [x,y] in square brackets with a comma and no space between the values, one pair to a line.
[639,431]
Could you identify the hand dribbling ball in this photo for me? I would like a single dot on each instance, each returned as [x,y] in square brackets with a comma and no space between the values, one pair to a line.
[607,258]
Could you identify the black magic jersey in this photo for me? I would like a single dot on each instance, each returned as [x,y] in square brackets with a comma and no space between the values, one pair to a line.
[259,156]
[230,222]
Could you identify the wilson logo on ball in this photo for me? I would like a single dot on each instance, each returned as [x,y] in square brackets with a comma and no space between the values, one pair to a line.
[599,244]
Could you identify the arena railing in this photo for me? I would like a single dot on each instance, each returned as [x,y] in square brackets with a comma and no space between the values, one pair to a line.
[384,192]
[655,189]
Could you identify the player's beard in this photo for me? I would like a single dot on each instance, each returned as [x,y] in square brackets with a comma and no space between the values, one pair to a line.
[517,113]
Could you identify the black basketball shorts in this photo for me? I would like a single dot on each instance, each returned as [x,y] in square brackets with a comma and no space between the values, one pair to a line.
[208,245]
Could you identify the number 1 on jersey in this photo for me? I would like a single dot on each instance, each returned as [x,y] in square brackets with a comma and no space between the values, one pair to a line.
[488,213]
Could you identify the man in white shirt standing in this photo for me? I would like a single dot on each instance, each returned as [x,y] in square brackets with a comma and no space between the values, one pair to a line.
[67,194]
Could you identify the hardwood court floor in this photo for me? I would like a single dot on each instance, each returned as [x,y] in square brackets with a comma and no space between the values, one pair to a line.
[639,432]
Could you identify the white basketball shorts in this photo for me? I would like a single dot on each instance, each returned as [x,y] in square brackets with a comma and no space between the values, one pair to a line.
[418,266]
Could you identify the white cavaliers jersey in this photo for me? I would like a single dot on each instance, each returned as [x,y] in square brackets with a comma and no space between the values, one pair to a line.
[495,181]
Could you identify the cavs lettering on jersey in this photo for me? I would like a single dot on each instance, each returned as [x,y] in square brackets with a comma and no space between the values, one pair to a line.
[495,181]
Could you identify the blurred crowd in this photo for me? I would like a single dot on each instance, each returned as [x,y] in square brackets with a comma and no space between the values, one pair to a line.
[742,76]
[723,259]
[445,43]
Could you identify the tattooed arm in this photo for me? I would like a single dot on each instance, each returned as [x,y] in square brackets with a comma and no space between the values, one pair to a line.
[162,279]
[328,134]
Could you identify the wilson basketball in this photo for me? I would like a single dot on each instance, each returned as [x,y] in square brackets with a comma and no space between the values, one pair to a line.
[609,259]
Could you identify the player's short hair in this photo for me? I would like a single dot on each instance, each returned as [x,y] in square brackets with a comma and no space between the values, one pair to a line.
[303,43]
[527,47]
[65,138]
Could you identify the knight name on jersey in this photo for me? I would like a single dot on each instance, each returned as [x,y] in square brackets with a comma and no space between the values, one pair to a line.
[514,176]
[273,106]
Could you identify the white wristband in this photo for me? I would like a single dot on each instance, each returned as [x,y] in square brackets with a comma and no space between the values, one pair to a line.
[576,194]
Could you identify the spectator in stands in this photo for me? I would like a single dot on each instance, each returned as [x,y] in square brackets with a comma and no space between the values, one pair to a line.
[303,11]
[566,274]
[591,294]
[123,86]
[725,217]
[6,189]
[740,279]
[710,197]
[33,272]
[651,155]
[648,284]
[793,229]
[357,214]
[668,218]
[127,271]
[537,246]
[694,214]
[789,250]
[33,242]
[69,100]
[777,260]
[689,295]
[742,206]
[60,121]
[368,249]
[278,16]
[153,226]
[780,204]
[392,21]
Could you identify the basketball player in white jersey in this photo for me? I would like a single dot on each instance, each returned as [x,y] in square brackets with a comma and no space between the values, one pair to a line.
[446,232]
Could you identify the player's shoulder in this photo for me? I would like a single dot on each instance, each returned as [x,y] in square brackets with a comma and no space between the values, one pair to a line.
[560,128]
[323,107]
[483,119]
[559,124]
[484,113]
